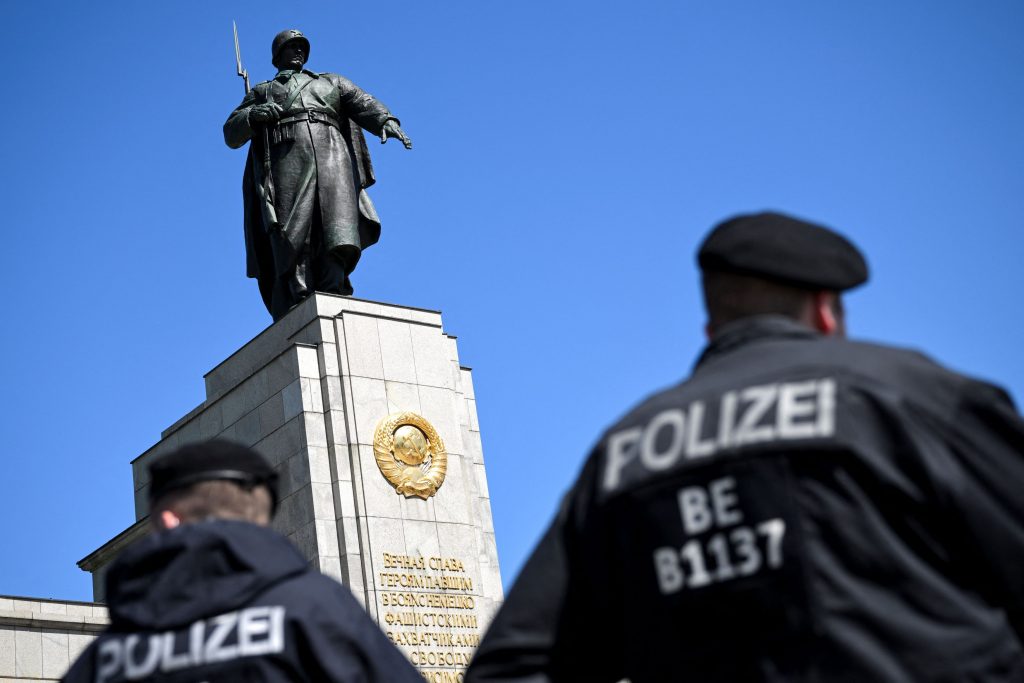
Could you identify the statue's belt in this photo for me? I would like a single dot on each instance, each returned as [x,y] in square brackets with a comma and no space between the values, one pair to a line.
[283,131]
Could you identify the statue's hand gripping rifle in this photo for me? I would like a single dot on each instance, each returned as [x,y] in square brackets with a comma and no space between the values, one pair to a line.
[264,186]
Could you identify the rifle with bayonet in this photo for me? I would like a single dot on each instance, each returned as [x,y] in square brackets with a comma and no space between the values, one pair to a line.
[264,185]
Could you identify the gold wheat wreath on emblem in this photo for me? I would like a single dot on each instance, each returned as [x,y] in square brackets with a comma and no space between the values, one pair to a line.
[410,454]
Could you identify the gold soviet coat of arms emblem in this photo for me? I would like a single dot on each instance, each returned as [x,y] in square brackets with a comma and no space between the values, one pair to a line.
[410,454]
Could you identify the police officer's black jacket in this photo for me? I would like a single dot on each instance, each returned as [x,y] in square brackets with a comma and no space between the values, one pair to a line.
[804,508]
[231,601]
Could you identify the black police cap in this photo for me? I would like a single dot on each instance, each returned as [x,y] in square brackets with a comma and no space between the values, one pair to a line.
[779,247]
[217,459]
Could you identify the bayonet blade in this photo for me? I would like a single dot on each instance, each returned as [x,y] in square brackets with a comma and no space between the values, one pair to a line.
[238,58]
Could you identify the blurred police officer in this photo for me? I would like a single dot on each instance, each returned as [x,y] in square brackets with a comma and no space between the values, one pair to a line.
[803,508]
[215,595]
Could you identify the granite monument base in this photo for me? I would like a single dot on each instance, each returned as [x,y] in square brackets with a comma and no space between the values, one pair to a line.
[310,393]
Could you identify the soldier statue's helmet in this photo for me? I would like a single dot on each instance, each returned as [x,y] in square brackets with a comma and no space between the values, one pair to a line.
[284,37]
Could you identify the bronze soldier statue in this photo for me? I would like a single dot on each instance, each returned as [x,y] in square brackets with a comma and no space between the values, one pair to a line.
[307,214]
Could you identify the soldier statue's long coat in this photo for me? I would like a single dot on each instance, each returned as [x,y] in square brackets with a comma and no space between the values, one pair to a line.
[320,168]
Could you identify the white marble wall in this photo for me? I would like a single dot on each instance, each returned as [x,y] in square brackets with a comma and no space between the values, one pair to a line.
[308,393]
[40,638]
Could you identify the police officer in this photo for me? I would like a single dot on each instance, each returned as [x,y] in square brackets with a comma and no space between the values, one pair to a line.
[215,595]
[802,508]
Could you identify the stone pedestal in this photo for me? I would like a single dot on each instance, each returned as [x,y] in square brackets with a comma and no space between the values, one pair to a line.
[308,393]
[40,638]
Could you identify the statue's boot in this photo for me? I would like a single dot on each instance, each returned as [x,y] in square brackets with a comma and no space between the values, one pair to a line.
[346,287]
[348,257]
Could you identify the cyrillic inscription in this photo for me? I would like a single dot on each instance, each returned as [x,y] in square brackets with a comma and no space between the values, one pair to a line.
[435,640]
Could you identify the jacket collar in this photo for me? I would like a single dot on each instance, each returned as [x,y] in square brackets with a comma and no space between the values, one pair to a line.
[741,333]
[285,74]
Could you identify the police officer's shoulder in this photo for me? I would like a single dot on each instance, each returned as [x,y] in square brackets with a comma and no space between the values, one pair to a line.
[642,411]
[912,373]
[321,602]
[592,486]
[312,597]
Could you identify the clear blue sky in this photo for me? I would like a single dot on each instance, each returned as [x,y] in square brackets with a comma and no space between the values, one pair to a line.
[568,158]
